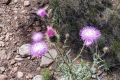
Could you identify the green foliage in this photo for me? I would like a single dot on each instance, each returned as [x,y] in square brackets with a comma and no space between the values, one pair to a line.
[71,12]
[107,66]
[74,14]
[82,71]
[71,15]
[47,75]
[116,48]
[53,39]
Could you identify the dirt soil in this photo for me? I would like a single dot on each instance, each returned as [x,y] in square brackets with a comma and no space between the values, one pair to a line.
[15,30]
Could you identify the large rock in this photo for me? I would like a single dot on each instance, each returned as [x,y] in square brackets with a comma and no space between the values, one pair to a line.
[38,77]
[46,61]
[24,50]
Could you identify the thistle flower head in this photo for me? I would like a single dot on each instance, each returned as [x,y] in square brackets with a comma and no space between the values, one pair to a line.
[38,49]
[41,12]
[88,42]
[89,34]
[50,32]
[37,36]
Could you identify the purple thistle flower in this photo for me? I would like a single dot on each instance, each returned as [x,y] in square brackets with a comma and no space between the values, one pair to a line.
[88,42]
[37,36]
[50,32]
[41,12]
[38,49]
[89,34]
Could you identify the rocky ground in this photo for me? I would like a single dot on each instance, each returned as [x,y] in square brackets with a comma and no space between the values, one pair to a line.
[14,14]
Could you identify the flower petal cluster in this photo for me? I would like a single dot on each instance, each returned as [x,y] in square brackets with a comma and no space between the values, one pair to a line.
[37,37]
[41,12]
[38,46]
[50,32]
[89,34]
[38,49]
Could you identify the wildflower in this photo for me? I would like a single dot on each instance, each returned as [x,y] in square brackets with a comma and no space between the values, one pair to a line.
[88,42]
[89,34]
[37,36]
[38,49]
[41,12]
[50,32]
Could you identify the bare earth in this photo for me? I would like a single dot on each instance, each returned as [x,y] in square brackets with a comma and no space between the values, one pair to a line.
[13,17]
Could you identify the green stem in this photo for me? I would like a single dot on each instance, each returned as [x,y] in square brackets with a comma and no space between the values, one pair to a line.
[80,52]
[97,55]
[73,75]
[103,54]
[96,48]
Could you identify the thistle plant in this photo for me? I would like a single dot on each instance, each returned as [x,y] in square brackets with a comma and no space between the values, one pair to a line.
[41,12]
[83,71]
[88,34]
[38,49]
[51,34]
[37,37]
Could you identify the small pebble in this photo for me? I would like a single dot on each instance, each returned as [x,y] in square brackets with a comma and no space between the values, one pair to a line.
[18,59]
[18,64]
[28,58]
[12,62]
[2,44]
[19,74]
[38,77]
[2,37]
[26,3]
[7,36]
[29,75]
[38,69]
[2,69]
[15,69]
[32,58]
[15,1]
[1,11]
